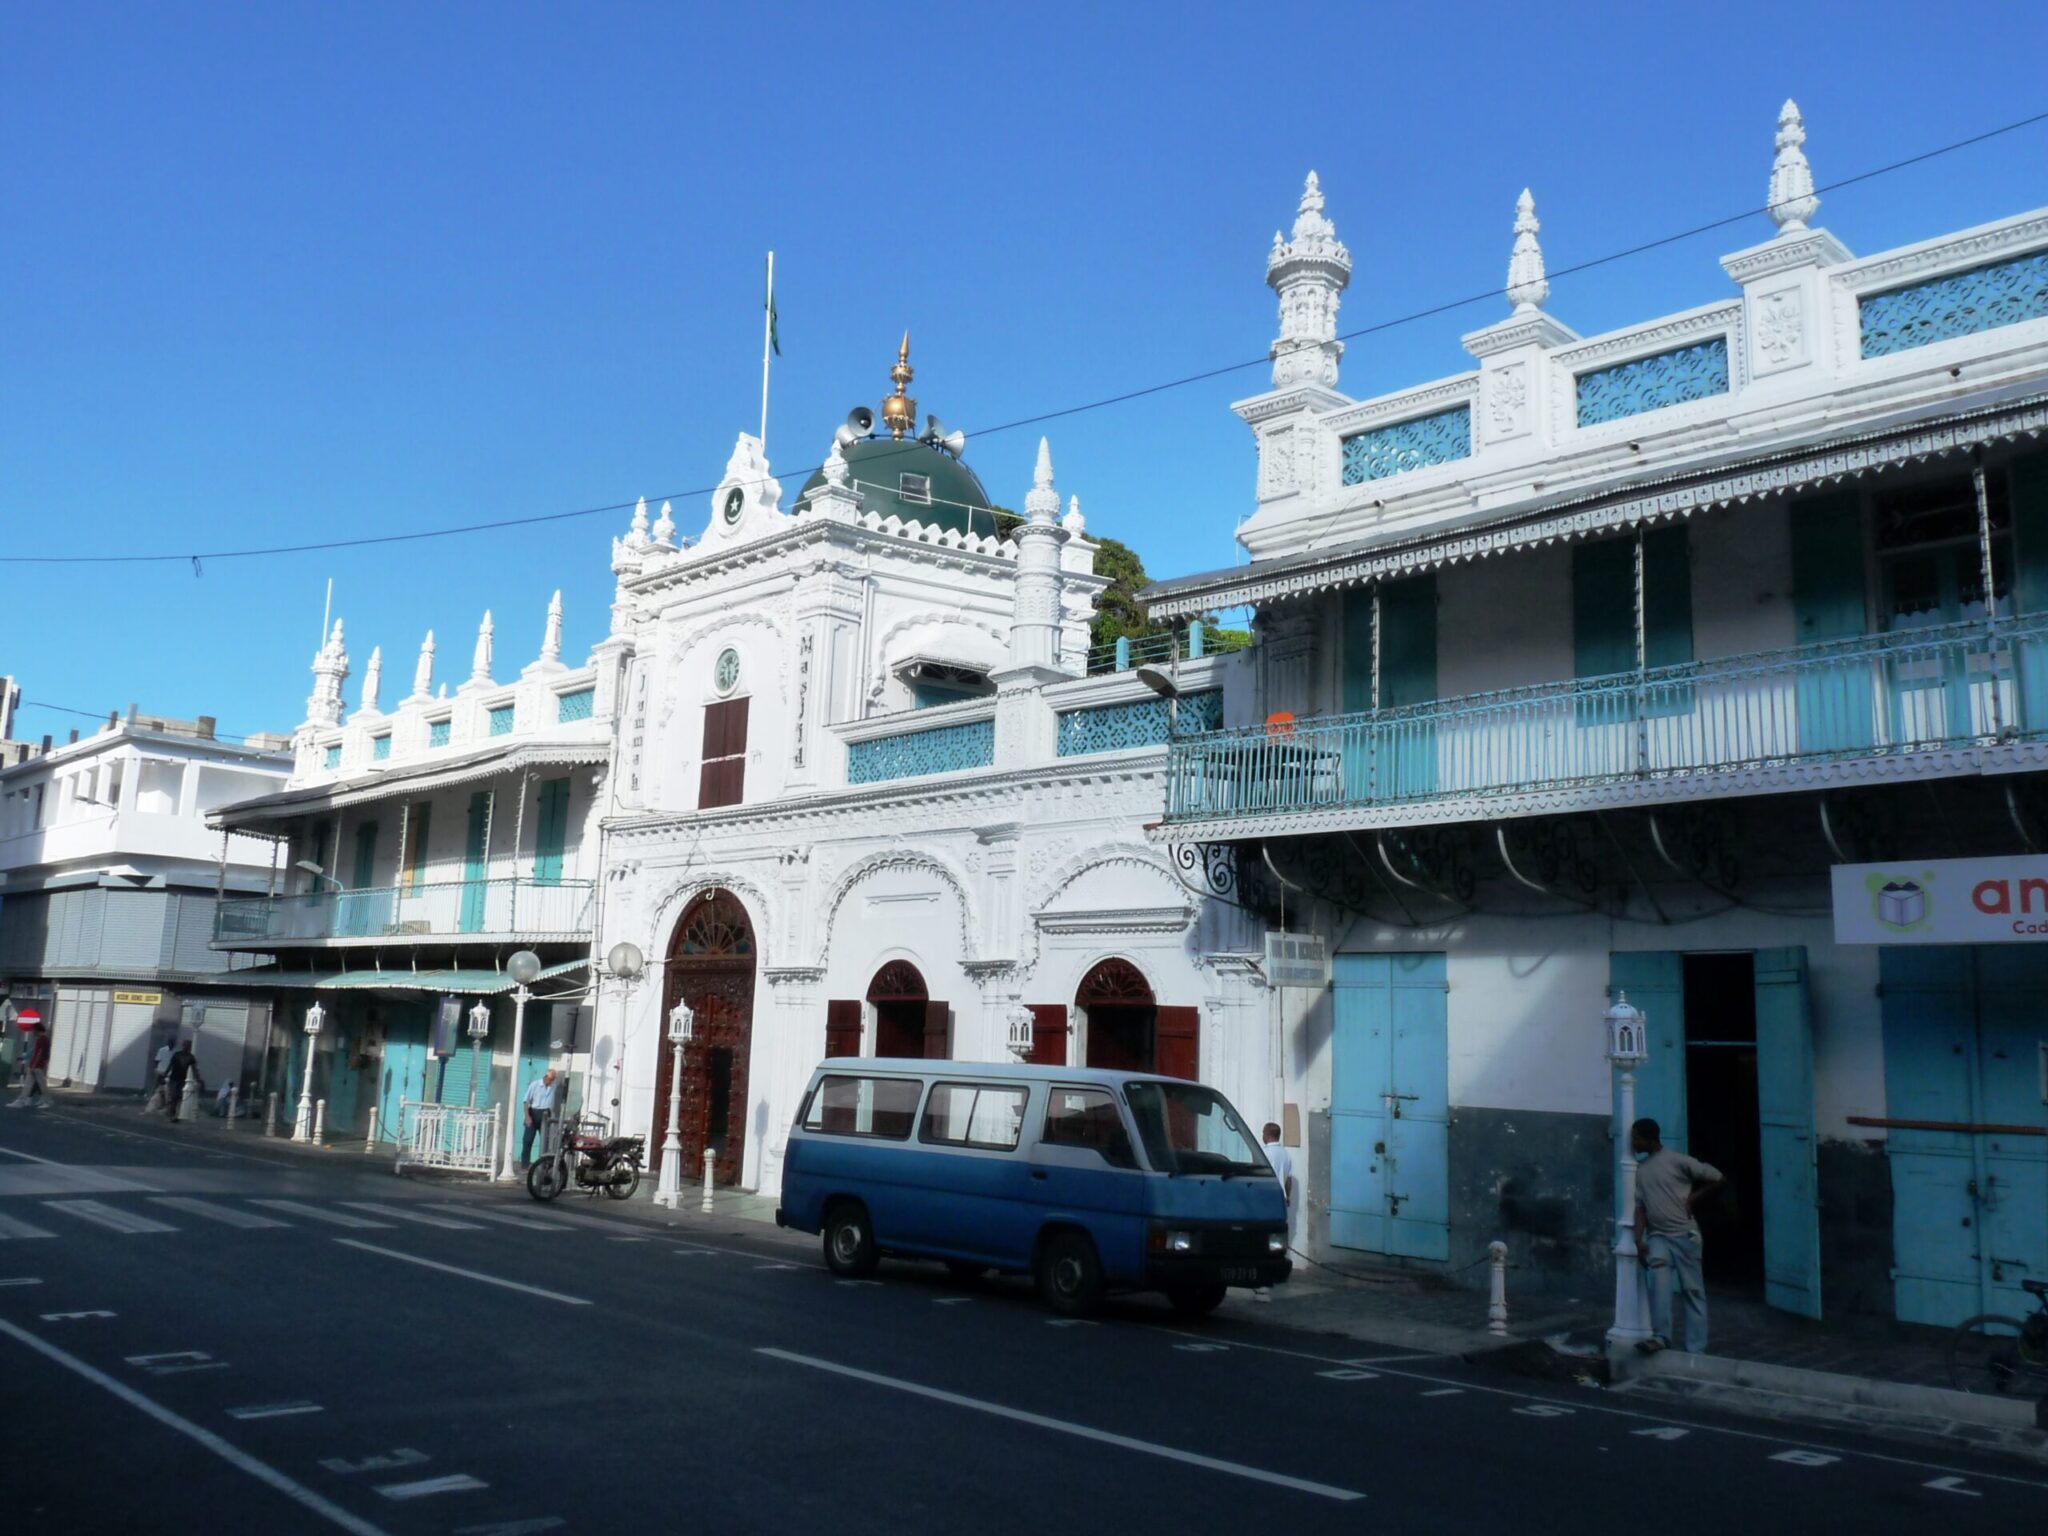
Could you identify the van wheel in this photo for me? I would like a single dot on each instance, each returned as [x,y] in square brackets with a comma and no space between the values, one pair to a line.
[1196,1300]
[966,1271]
[850,1241]
[1069,1274]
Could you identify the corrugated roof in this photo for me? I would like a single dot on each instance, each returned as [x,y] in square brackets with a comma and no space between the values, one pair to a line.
[479,983]
[414,777]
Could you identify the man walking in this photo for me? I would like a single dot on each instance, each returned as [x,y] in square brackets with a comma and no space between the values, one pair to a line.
[36,1051]
[1668,1185]
[540,1103]
[1283,1170]
[183,1064]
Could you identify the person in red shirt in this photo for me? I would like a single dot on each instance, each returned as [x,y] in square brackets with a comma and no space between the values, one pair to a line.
[36,1043]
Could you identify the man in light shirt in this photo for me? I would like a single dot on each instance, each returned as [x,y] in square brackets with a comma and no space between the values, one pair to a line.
[1283,1170]
[1668,1185]
[540,1103]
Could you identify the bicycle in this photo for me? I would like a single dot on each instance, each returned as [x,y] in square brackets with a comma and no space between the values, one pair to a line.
[2002,1356]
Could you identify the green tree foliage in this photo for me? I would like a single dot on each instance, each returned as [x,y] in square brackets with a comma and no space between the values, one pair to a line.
[1118,613]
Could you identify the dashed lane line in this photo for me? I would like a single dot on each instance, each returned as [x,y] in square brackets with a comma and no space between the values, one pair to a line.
[206,1439]
[457,1482]
[321,1213]
[226,1215]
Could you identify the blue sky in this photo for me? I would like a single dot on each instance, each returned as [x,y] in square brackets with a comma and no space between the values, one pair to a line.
[276,274]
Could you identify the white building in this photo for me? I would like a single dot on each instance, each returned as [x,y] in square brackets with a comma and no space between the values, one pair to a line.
[874,798]
[421,841]
[108,875]
[1610,663]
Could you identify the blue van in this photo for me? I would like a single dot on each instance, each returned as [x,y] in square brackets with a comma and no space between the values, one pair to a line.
[1088,1181]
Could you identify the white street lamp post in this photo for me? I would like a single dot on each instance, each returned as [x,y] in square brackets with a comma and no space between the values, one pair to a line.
[682,1024]
[302,1127]
[523,968]
[479,1026]
[624,963]
[1627,1046]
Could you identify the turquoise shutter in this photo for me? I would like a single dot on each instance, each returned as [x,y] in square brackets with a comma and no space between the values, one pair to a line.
[366,855]
[1667,598]
[1655,983]
[1833,701]
[2029,480]
[1603,608]
[473,861]
[1784,1072]
[552,833]
[1407,642]
[1357,650]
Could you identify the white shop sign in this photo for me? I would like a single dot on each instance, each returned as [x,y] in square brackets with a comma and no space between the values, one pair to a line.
[1297,960]
[1943,901]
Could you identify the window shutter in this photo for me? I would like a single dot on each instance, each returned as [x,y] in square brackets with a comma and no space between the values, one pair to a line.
[1407,642]
[1177,1043]
[1833,705]
[842,1027]
[1604,608]
[938,1031]
[1667,598]
[1049,1034]
[551,835]
[1357,650]
[2029,480]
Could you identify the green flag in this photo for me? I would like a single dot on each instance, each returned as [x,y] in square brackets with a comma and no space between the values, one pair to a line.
[774,339]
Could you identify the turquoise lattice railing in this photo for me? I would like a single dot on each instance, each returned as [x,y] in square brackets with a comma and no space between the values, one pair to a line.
[1651,383]
[1958,304]
[1881,695]
[941,749]
[1138,723]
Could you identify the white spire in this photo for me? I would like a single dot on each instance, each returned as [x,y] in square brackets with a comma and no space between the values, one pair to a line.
[1792,199]
[1309,272]
[551,642]
[665,529]
[423,674]
[1042,502]
[835,467]
[330,670]
[480,662]
[1073,522]
[373,679]
[636,536]
[1527,286]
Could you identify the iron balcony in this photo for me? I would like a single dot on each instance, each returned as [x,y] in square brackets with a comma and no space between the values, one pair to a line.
[483,910]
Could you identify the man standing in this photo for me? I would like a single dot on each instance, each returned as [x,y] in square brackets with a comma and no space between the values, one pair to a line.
[35,1042]
[183,1064]
[1283,1170]
[540,1103]
[1668,1185]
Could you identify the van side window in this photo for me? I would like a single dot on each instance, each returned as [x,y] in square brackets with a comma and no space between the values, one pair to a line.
[1087,1117]
[845,1105]
[975,1115]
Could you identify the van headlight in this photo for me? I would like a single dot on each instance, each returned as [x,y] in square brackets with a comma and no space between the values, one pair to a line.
[1180,1242]
[1276,1242]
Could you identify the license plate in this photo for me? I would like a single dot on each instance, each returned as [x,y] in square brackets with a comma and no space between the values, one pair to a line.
[1245,1274]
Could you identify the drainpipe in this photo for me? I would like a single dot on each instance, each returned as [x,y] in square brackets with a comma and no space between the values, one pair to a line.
[1990,595]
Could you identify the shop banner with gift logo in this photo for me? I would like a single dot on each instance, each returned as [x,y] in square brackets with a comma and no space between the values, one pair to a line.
[1943,901]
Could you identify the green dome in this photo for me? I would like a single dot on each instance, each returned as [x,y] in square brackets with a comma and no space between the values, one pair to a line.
[950,495]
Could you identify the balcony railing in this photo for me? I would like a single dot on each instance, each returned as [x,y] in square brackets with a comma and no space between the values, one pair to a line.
[1881,695]
[526,908]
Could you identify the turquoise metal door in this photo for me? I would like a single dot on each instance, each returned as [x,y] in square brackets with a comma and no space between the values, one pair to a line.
[1784,1046]
[403,1071]
[1962,1032]
[1389,1109]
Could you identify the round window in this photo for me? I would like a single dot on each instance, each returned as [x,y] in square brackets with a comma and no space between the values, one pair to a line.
[725,677]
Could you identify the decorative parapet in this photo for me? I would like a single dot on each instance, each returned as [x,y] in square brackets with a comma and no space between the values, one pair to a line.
[1138,723]
[578,704]
[1662,379]
[1401,446]
[1954,304]
[946,749]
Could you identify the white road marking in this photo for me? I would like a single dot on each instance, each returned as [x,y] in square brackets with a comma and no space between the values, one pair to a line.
[22,1280]
[502,1217]
[1062,1426]
[320,1213]
[945,1301]
[469,1274]
[851,1282]
[12,1230]
[459,1482]
[1951,1485]
[176,1362]
[1619,1413]
[402,1213]
[1660,1432]
[274,1410]
[1349,1374]
[513,1527]
[29,1157]
[1806,1458]
[113,1218]
[1202,1349]
[774,1266]
[1444,1392]
[1545,1410]
[298,1493]
[71,1317]
[226,1215]
[404,1456]
[1071,1322]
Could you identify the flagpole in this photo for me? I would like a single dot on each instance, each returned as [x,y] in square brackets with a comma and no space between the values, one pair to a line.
[767,336]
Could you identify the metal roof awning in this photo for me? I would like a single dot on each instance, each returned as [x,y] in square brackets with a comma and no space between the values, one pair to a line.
[470,982]
[414,778]
[1744,474]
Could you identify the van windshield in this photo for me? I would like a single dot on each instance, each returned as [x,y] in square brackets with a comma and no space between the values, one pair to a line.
[1187,1128]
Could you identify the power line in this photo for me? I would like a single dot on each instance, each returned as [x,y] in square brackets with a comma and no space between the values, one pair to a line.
[198,558]
[103,715]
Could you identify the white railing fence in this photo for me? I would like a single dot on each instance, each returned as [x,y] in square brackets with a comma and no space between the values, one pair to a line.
[450,1136]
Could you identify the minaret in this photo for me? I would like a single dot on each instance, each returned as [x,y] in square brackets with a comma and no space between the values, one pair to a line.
[480,659]
[551,641]
[1035,603]
[423,674]
[636,535]
[373,680]
[665,528]
[1309,273]
[1791,199]
[330,671]
[1527,287]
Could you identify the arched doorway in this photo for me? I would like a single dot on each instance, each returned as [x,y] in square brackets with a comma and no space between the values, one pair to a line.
[711,967]
[1123,1017]
[907,1022]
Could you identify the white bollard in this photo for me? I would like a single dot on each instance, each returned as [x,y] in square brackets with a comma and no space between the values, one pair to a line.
[231,1106]
[270,1117]
[319,1122]
[710,1163]
[1497,1296]
[187,1099]
[370,1145]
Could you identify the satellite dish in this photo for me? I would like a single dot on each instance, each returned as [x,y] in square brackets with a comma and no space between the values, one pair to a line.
[861,419]
[845,436]
[955,443]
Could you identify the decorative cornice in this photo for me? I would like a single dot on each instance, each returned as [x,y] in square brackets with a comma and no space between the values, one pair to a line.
[1288,402]
[1955,253]
[1811,248]
[1519,330]
[1460,389]
[1648,340]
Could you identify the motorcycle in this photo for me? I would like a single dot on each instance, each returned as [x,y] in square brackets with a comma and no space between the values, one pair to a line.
[582,1152]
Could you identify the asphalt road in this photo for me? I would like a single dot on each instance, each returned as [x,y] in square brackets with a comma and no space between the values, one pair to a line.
[196,1337]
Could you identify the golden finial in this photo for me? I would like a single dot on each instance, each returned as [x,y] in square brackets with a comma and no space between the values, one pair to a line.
[899,411]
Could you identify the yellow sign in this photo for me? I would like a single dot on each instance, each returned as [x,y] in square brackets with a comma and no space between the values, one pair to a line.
[151,998]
